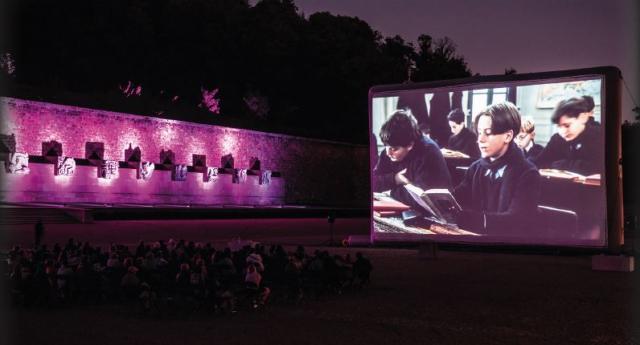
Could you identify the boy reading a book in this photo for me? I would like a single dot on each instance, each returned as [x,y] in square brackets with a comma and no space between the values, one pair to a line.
[578,146]
[408,158]
[462,139]
[500,191]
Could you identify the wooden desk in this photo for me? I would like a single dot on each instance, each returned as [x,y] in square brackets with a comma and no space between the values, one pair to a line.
[395,225]
[569,177]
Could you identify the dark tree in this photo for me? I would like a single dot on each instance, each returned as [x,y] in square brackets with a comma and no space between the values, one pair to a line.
[510,71]
[314,72]
[438,60]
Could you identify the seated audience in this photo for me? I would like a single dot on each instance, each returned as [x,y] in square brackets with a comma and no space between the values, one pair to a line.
[180,276]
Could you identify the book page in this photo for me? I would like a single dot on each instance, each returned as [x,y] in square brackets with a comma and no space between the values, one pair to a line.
[444,202]
[416,193]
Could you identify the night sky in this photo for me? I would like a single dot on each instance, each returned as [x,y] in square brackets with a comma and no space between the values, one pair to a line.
[528,35]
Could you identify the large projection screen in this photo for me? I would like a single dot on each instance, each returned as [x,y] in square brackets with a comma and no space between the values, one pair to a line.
[514,160]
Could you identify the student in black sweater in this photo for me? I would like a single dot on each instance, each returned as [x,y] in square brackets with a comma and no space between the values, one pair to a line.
[500,191]
[408,157]
[524,140]
[578,146]
[462,139]
[589,106]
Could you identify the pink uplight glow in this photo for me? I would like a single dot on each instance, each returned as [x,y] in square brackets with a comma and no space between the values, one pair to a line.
[106,182]
[167,133]
[63,180]
[229,142]
[33,123]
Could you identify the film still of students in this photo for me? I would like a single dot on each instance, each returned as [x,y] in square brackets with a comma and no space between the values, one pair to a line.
[515,148]
[462,139]
[578,146]
[409,157]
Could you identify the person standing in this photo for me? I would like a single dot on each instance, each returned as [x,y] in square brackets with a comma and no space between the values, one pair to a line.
[38,232]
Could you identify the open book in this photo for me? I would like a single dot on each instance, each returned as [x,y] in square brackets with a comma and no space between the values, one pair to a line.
[439,203]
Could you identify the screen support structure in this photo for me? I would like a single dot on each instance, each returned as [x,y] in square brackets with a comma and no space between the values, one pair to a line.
[331,219]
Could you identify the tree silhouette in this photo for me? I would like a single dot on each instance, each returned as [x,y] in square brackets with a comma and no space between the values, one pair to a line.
[314,71]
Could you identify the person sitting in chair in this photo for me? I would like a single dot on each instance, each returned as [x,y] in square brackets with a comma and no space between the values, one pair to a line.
[409,157]
[499,193]
[578,146]
[462,139]
[524,140]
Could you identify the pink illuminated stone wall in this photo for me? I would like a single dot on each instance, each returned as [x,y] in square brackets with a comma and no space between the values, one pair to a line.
[313,171]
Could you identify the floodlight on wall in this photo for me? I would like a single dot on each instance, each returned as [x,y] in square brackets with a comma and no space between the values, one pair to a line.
[179,172]
[65,166]
[108,169]
[265,177]
[17,163]
[239,176]
[145,171]
[211,175]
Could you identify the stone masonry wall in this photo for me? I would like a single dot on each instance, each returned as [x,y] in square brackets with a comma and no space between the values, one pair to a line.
[314,172]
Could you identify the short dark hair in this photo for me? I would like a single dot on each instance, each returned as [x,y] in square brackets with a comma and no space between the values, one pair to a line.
[572,107]
[424,128]
[401,129]
[456,115]
[504,117]
[589,104]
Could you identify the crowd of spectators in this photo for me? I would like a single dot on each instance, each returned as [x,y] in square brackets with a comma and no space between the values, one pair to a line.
[177,275]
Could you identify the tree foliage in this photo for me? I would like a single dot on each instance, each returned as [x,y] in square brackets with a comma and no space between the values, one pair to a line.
[313,71]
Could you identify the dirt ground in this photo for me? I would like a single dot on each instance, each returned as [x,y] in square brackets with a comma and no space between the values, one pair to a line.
[462,297]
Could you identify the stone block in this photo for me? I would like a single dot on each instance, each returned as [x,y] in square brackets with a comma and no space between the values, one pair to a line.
[51,149]
[254,163]
[226,162]
[132,155]
[167,157]
[94,151]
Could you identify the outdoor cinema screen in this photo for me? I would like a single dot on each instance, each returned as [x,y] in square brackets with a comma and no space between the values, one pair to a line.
[512,161]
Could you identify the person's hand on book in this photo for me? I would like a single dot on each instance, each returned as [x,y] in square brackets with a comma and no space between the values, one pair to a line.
[400,178]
